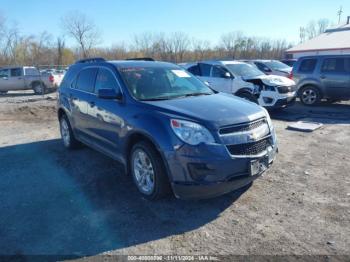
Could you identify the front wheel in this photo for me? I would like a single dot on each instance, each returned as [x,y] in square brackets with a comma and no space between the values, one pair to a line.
[309,96]
[248,96]
[148,172]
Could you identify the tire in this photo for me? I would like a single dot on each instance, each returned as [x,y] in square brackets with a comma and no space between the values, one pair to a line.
[248,96]
[39,88]
[67,135]
[148,171]
[309,95]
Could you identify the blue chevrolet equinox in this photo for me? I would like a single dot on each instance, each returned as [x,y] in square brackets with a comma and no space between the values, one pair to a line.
[171,131]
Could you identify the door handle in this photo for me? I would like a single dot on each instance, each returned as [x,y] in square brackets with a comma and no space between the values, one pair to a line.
[323,77]
[20,78]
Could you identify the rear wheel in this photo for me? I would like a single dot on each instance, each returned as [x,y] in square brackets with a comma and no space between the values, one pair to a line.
[39,88]
[148,172]
[67,134]
[309,95]
[248,96]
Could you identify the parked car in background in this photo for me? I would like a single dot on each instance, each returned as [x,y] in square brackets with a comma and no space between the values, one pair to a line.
[289,62]
[52,79]
[166,126]
[272,67]
[245,80]
[21,78]
[322,77]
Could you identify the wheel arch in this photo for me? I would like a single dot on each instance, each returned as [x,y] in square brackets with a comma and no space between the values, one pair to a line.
[136,137]
[313,85]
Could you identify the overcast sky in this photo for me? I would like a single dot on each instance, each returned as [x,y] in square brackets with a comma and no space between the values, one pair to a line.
[119,20]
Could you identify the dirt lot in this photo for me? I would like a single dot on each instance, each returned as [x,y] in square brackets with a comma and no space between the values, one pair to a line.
[57,202]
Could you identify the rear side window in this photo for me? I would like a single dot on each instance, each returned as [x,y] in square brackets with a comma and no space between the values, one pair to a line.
[205,69]
[31,72]
[333,65]
[16,72]
[86,80]
[307,65]
[194,70]
[105,80]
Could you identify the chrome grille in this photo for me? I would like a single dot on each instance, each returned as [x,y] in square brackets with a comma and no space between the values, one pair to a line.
[253,148]
[286,89]
[242,127]
[247,139]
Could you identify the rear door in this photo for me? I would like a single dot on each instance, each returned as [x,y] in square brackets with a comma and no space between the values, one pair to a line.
[80,96]
[16,79]
[335,77]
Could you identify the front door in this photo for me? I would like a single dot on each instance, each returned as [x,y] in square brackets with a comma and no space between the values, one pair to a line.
[4,80]
[16,79]
[106,115]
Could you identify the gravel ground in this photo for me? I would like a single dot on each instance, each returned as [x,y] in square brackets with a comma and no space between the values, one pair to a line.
[79,202]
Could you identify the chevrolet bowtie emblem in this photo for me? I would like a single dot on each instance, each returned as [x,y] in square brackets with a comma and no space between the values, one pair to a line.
[252,137]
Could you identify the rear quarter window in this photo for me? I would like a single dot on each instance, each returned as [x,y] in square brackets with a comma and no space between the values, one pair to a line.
[307,65]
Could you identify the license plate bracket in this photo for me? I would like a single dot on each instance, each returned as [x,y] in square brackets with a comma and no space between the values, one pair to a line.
[257,166]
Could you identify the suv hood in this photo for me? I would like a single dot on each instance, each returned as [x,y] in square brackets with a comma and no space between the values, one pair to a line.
[215,110]
[273,80]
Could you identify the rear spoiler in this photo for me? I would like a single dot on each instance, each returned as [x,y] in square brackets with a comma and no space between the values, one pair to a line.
[90,60]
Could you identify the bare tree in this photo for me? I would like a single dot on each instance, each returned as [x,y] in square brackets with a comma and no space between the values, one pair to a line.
[83,30]
[60,45]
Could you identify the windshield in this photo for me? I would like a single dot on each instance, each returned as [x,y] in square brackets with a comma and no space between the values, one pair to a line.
[244,70]
[276,65]
[161,83]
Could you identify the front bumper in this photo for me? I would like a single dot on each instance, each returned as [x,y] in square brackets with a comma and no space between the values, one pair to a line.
[272,99]
[208,171]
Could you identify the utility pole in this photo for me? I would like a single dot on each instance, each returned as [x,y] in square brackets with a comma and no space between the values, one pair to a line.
[339,13]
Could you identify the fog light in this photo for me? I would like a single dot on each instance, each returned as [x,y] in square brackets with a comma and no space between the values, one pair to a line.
[198,171]
[268,100]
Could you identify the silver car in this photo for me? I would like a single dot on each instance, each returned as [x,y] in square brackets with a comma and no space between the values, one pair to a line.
[322,77]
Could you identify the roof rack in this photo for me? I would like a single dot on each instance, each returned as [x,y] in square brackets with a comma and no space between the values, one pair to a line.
[90,60]
[141,59]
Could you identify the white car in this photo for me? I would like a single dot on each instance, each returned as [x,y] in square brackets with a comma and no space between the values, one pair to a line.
[246,81]
[272,67]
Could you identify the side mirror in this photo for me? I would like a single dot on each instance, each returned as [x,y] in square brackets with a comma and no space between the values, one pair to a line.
[107,93]
[267,70]
[227,75]
[207,83]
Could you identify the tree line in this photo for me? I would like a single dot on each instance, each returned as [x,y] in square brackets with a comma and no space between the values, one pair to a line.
[45,50]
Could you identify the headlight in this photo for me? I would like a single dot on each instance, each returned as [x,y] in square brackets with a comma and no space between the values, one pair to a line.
[269,88]
[269,122]
[191,133]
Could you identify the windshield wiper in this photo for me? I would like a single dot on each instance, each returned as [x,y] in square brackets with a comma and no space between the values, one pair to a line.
[197,94]
[155,99]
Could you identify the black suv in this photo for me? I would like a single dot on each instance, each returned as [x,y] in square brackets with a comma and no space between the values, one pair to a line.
[322,77]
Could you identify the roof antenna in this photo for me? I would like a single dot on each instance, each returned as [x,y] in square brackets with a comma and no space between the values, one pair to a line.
[339,13]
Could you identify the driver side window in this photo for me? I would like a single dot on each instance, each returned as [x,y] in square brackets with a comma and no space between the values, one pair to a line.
[105,80]
[220,72]
[4,73]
